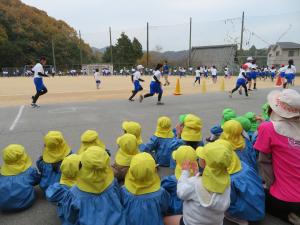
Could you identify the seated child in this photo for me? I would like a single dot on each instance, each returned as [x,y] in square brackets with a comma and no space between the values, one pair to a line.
[207,197]
[232,132]
[55,192]
[227,114]
[159,143]
[134,128]
[169,183]
[90,138]
[179,126]
[55,150]
[247,197]
[144,201]
[254,125]
[95,199]
[17,179]
[127,149]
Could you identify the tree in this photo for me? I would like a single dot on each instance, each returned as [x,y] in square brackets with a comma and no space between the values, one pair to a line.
[125,52]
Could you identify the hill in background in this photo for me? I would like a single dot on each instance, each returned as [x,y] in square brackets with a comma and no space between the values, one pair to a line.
[26,33]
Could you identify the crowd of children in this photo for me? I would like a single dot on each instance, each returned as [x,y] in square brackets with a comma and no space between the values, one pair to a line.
[212,179]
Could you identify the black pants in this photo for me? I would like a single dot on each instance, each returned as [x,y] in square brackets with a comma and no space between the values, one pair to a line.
[134,92]
[281,209]
[238,86]
[149,95]
[197,79]
[38,94]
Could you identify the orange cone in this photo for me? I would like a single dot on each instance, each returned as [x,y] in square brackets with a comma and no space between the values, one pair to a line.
[177,88]
[279,81]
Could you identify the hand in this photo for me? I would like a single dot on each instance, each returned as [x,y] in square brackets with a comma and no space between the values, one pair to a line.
[194,167]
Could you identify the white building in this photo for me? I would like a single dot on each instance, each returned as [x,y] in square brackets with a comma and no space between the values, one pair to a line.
[281,52]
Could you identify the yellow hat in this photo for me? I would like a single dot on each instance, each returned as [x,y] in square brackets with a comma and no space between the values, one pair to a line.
[142,177]
[134,128]
[90,138]
[15,160]
[192,128]
[56,148]
[95,174]
[69,169]
[232,132]
[217,158]
[182,154]
[127,149]
[164,128]
[235,165]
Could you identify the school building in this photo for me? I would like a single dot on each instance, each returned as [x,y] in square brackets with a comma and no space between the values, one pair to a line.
[218,55]
[281,52]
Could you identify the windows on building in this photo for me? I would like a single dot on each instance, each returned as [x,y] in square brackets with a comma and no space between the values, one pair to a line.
[291,53]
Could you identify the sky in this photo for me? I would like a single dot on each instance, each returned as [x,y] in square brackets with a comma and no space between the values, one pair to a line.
[213,21]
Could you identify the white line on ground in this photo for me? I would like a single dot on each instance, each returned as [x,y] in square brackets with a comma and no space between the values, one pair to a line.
[12,127]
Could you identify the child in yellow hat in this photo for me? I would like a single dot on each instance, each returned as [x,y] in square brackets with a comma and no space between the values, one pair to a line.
[128,148]
[134,128]
[159,144]
[247,193]
[95,199]
[169,183]
[90,138]
[145,202]
[233,133]
[55,150]
[207,197]
[17,179]
[55,193]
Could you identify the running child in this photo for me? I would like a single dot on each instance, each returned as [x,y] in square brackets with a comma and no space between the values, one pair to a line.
[97,78]
[241,81]
[290,72]
[273,72]
[39,73]
[197,75]
[214,72]
[155,86]
[136,78]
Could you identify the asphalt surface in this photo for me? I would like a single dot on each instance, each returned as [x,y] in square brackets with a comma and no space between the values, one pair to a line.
[106,117]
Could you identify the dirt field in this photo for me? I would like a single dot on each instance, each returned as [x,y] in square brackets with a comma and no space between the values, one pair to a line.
[18,91]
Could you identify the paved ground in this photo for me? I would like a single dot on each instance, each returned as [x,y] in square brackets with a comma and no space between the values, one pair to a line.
[106,117]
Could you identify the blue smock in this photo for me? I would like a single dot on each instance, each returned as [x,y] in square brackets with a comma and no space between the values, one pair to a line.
[161,148]
[17,192]
[55,193]
[147,209]
[85,208]
[247,195]
[169,183]
[248,155]
[50,173]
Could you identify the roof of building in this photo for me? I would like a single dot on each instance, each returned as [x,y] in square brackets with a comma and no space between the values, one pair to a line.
[215,46]
[288,45]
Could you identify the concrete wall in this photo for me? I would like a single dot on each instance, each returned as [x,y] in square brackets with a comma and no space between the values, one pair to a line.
[283,57]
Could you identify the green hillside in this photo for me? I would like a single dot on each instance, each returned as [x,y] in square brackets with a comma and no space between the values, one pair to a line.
[26,33]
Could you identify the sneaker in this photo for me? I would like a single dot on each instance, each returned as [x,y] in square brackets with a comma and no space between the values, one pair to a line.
[131,100]
[141,98]
[235,220]
[160,103]
[230,94]
[33,105]
[240,92]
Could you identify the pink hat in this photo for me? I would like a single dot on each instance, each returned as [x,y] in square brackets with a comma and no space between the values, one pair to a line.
[285,103]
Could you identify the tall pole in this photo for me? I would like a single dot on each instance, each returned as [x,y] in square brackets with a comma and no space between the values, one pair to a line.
[242,32]
[190,44]
[53,55]
[147,44]
[111,48]
[80,48]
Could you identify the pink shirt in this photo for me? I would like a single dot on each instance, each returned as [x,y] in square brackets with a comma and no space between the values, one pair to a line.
[286,162]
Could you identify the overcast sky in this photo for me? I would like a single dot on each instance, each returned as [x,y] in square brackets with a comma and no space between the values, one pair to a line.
[265,20]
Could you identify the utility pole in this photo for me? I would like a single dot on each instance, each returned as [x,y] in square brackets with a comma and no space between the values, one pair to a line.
[147,44]
[53,55]
[190,43]
[80,48]
[242,33]
[111,48]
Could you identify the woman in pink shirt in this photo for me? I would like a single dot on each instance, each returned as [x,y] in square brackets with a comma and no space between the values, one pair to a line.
[278,142]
